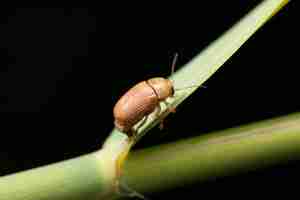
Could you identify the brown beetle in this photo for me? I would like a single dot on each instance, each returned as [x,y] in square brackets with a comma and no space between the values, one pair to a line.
[141,100]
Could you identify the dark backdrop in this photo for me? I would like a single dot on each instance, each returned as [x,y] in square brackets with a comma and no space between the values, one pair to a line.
[62,70]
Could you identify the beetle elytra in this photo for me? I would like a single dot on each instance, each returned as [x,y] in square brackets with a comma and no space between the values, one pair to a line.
[141,100]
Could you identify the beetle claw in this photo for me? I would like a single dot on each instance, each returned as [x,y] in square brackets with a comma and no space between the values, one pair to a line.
[161,125]
[172,110]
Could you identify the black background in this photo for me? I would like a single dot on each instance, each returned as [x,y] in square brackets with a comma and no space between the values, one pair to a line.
[62,70]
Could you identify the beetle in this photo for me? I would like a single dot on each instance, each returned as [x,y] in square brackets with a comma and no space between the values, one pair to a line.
[141,100]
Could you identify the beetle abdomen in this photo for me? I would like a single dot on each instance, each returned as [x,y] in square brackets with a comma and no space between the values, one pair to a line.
[138,102]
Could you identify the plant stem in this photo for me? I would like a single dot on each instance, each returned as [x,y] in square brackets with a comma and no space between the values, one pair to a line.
[203,66]
[93,176]
[216,154]
[87,177]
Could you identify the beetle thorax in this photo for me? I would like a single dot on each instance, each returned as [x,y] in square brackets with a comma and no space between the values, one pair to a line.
[162,87]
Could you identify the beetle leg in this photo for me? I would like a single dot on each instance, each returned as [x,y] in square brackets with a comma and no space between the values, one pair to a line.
[161,125]
[170,108]
[140,124]
[157,111]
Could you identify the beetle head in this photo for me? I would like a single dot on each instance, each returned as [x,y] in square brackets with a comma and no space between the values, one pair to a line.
[163,87]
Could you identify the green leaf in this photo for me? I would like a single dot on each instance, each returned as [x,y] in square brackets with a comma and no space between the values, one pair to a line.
[203,66]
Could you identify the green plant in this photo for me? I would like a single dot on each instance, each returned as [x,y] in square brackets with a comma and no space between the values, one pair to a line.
[94,176]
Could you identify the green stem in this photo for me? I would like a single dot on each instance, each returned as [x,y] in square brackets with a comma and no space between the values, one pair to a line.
[87,177]
[203,66]
[93,176]
[216,154]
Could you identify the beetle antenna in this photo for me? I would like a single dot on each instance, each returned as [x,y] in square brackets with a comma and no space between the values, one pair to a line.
[174,63]
[191,86]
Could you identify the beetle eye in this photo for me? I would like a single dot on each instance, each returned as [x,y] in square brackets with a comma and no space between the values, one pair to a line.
[172,91]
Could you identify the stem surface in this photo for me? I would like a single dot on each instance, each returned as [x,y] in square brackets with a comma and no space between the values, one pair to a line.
[216,154]
[87,177]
